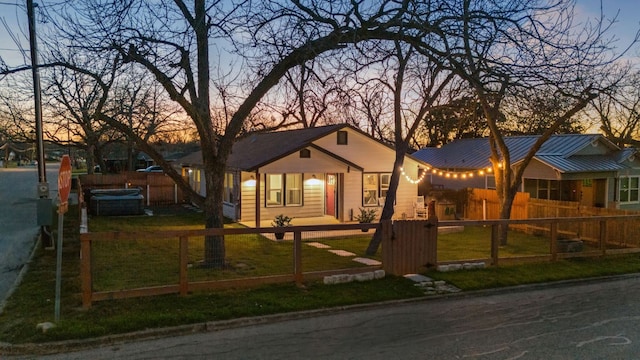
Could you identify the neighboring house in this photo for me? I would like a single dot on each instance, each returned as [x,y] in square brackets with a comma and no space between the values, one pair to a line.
[324,171]
[585,168]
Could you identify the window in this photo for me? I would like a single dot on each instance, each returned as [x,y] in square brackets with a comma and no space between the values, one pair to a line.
[342,138]
[385,180]
[196,180]
[305,153]
[294,189]
[550,189]
[629,187]
[284,190]
[274,189]
[374,187]
[229,190]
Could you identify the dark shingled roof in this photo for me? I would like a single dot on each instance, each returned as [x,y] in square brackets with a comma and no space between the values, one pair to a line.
[259,149]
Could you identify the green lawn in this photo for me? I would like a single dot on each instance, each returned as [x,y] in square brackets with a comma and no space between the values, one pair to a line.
[475,243]
[33,301]
[132,263]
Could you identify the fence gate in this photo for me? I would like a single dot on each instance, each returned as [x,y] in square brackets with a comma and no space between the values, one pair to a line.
[408,246]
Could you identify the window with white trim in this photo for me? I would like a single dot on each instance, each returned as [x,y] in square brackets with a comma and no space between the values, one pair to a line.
[293,184]
[629,189]
[374,187]
[283,190]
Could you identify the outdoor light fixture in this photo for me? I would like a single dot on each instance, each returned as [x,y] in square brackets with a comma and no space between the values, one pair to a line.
[251,181]
[314,180]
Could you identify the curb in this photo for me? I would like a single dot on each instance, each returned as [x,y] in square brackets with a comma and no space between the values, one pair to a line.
[211,326]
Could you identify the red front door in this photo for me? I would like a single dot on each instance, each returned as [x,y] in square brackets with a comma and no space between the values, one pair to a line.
[330,194]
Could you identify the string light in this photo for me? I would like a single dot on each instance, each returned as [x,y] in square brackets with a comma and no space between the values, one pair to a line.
[409,179]
[466,175]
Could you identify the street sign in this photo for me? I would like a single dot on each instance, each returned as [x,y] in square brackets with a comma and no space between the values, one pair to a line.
[64,188]
[64,179]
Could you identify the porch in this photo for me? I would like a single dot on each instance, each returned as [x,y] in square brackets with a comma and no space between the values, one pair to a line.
[307,221]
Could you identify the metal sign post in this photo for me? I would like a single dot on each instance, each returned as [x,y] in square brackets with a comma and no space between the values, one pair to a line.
[64,188]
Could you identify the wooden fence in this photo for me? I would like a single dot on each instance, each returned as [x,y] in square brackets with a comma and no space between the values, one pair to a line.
[157,188]
[183,286]
[409,246]
[607,241]
[483,204]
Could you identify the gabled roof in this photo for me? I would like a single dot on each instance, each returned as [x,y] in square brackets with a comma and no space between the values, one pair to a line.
[562,152]
[259,149]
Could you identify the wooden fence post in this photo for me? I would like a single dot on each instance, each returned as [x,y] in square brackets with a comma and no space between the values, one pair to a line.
[297,257]
[387,246]
[85,270]
[495,243]
[603,236]
[184,260]
[554,241]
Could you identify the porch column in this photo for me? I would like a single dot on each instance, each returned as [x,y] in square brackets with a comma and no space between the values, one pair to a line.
[257,206]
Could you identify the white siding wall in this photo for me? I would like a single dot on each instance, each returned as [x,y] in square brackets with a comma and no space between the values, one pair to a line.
[373,157]
[312,199]
[352,194]
[247,197]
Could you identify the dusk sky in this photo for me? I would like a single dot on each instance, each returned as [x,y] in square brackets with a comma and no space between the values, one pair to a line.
[13,14]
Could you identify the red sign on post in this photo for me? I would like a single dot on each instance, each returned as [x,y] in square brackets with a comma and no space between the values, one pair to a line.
[64,179]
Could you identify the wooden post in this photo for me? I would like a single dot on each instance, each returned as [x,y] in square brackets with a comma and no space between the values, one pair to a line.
[554,242]
[85,270]
[388,249]
[432,238]
[257,202]
[603,236]
[184,260]
[297,257]
[495,243]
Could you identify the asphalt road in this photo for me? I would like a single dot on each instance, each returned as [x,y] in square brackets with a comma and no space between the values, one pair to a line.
[594,320]
[18,223]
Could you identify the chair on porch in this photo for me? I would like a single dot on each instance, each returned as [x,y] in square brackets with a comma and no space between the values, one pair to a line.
[419,208]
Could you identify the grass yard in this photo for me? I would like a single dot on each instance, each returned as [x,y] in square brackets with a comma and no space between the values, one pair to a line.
[33,301]
[132,263]
[475,243]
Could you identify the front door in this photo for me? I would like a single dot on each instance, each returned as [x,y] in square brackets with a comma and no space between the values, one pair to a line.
[331,189]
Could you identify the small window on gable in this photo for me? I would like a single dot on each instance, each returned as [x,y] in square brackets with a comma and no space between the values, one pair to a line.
[305,153]
[342,138]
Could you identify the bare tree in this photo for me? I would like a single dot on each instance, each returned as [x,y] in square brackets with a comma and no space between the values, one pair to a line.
[505,48]
[414,86]
[172,44]
[619,112]
[75,102]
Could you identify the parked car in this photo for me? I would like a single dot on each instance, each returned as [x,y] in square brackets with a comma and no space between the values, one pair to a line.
[152,168]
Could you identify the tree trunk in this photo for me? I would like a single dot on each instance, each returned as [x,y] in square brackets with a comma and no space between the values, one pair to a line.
[214,246]
[387,210]
[506,203]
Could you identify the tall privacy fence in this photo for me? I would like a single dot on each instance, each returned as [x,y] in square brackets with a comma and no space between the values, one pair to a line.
[157,188]
[483,204]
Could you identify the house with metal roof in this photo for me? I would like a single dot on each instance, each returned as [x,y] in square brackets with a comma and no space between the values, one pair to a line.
[329,171]
[585,168]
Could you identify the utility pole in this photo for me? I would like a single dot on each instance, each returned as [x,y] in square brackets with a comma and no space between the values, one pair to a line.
[44,204]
